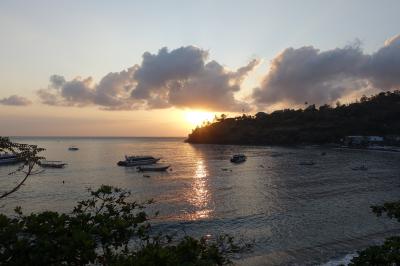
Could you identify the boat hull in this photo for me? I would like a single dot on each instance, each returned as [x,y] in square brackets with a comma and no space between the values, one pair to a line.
[53,166]
[306,163]
[240,159]
[137,163]
[153,168]
[49,165]
[8,161]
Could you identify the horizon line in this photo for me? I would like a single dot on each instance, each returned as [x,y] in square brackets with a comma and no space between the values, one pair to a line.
[77,136]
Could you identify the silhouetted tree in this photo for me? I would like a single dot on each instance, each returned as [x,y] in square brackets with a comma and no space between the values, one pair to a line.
[27,156]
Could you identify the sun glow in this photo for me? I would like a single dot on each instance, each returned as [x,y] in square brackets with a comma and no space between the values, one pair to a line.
[196,118]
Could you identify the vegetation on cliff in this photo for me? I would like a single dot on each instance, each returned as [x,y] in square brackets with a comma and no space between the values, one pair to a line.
[375,115]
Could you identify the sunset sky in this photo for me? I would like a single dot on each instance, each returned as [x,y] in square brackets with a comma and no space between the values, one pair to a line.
[158,68]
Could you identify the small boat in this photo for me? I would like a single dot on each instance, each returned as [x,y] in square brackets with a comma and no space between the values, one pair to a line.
[52,164]
[307,163]
[238,158]
[8,158]
[153,168]
[73,148]
[360,168]
[138,160]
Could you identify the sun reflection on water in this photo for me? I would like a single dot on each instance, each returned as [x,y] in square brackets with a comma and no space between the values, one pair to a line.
[200,196]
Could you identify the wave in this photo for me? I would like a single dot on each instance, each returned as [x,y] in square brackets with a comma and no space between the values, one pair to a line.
[340,261]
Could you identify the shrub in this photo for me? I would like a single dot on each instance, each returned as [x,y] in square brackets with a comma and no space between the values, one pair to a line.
[389,252]
[105,229]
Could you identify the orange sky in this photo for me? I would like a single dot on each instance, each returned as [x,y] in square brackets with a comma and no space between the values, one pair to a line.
[74,121]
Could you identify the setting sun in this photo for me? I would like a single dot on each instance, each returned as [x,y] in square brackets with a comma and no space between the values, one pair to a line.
[196,118]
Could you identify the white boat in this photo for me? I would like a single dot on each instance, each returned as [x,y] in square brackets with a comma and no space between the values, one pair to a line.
[52,164]
[8,158]
[154,167]
[138,160]
[238,158]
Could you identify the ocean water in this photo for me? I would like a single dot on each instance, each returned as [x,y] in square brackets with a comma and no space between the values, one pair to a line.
[295,214]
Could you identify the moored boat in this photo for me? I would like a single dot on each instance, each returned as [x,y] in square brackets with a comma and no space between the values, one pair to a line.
[238,158]
[138,160]
[8,158]
[73,148]
[153,168]
[52,164]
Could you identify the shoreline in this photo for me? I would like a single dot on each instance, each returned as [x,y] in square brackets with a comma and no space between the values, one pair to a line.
[388,149]
[305,145]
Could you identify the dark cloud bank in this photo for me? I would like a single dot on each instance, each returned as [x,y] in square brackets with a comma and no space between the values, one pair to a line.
[184,77]
[15,100]
[307,74]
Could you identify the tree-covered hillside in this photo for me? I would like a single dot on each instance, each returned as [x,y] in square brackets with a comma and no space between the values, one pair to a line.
[375,115]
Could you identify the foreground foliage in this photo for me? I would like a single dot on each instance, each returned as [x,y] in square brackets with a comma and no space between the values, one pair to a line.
[389,252]
[105,229]
[375,115]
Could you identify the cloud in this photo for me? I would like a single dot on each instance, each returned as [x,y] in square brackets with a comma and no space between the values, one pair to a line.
[48,98]
[15,100]
[307,74]
[111,93]
[181,78]
[114,89]
[57,81]
[384,67]
[213,88]
[186,78]
[156,70]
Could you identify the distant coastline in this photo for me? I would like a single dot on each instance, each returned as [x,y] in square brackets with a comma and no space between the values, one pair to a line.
[377,115]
